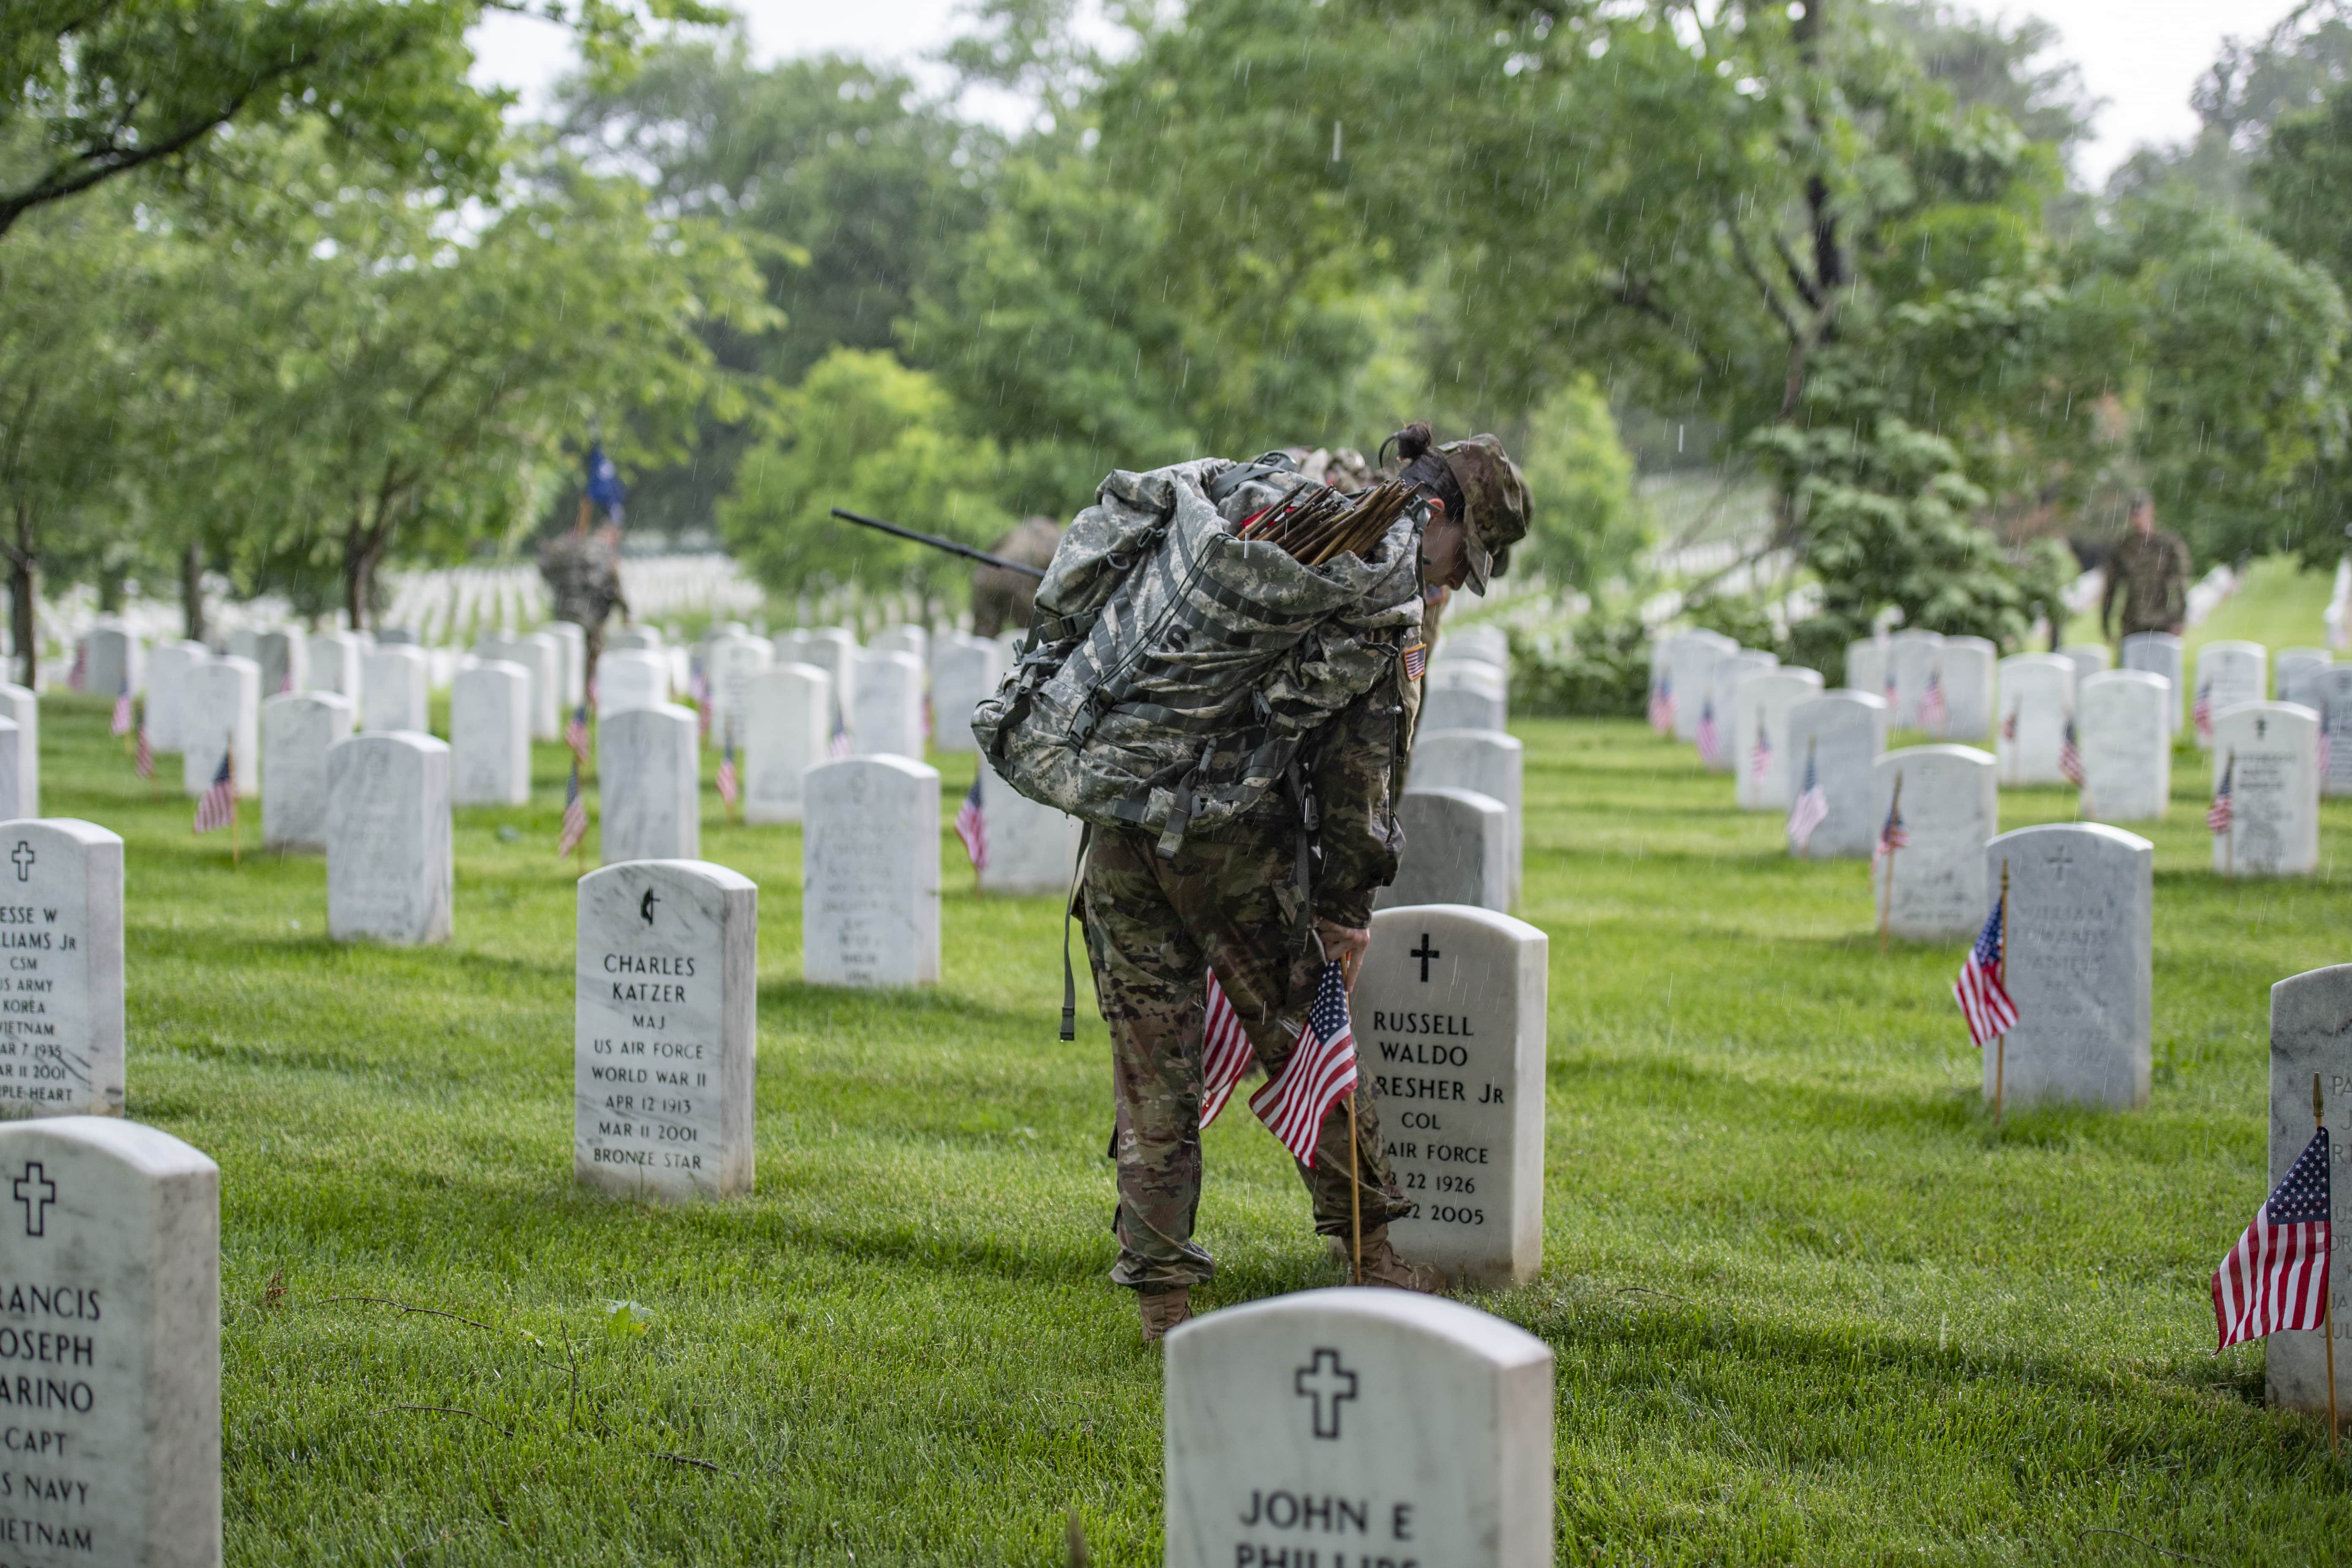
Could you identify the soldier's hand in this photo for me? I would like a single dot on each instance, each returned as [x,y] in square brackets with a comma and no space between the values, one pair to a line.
[1345,945]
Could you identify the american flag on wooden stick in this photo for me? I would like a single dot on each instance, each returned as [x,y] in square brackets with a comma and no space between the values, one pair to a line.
[217,805]
[2201,713]
[1760,755]
[576,731]
[143,761]
[2009,725]
[972,827]
[79,676]
[1662,703]
[839,746]
[2218,814]
[123,720]
[1933,710]
[2276,1277]
[575,816]
[1225,1053]
[1983,999]
[2069,755]
[1891,834]
[1812,808]
[1710,742]
[1321,1071]
[729,790]
[2326,750]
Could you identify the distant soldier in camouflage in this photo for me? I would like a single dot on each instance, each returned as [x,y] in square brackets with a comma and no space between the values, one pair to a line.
[583,569]
[1002,598]
[1228,901]
[2150,571]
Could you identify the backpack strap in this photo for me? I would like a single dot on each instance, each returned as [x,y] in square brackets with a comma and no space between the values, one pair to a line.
[1264,466]
[1070,910]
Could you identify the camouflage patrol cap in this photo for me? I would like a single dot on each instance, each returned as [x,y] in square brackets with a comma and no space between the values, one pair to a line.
[1496,495]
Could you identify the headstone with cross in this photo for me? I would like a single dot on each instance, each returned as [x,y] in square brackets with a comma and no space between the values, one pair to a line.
[1449,1016]
[224,713]
[870,873]
[2082,901]
[2311,1032]
[111,1238]
[649,783]
[787,710]
[390,871]
[2120,728]
[1949,807]
[1357,1428]
[2271,752]
[61,1019]
[1840,735]
[665,1029]
[297,730]
[1455,841]
[490,734]
[1761,705]
[886,707]
[2031,709]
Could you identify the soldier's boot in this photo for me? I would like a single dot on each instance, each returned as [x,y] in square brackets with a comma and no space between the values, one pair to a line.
[1162,1310]
[1383,1267]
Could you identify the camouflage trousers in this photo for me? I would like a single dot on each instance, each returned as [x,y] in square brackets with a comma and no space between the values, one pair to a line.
[1154,929]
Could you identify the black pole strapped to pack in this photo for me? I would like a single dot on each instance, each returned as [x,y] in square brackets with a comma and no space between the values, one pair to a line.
[936,543]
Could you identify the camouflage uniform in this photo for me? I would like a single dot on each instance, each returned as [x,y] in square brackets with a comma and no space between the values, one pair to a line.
[2152,573]
[583,573]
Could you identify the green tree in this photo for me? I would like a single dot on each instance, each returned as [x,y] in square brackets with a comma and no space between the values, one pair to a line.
[863,432]
[1590,525]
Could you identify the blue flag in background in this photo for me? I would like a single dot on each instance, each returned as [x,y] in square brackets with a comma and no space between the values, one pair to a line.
[604,486]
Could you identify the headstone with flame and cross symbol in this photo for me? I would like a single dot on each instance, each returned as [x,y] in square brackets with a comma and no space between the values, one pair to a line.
[109,1330]
[665,1032]
[60,970]
[1348,1428]
[1449,1018]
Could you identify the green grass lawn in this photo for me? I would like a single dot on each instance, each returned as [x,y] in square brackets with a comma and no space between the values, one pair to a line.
[1806,1305]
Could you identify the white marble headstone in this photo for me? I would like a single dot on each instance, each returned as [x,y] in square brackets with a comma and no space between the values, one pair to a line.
[2333,688]
[1449,1018]
[904,640]
[2158,653]
[117,662]
[1690,667]
[1865,666]
[870,873]
[2271,750]
[224,709]
[1454,841]
[284,655]
[1760,708]
[572,644]
[22,706]
[167,691]
[2089,658]
[1485,762]
[490,734]
[731,660]
[110,1246]
[2228,674]
[2036,702]
[887,709]
[1464,695]
[1356,1427]
[664,1036]
[1967,666]
[2081,900]
[1912,657]
[297,730]
[1032,848]
[785,718]
[964,673]
[1951,807]
[1715,718]
[632,639]
[336,662]
[1480,644]
[389,870]
[631,677]
[1841,735]
[2120,724]
[2311,1032]
[649,780]
[395,675]
[2296,669]
[61,1029]
[835,650]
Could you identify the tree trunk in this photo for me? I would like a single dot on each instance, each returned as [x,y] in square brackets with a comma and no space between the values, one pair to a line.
[191,591]
[21,626]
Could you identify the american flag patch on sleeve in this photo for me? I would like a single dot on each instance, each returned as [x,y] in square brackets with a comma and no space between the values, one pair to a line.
[1416,659]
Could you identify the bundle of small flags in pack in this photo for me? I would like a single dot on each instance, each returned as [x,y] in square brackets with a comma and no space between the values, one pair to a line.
[1316,522]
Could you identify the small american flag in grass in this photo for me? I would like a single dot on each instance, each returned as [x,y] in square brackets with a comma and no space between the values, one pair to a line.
[2069,755]
[1319,1072]
[1710,742]
[143,761]
[2009,726]
[576,731]
[1983,999]
[972,827]
[575,816]
[1812,808]
[1891,834]
[122,715]
[2274,1278]
[1662,704]
[1225,1053]
[2218,814]
[217,805]
[1760,755]
[1933,710]
[838,747]
[2201,713]
[728,789]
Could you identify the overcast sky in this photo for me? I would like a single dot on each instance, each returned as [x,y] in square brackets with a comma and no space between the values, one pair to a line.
[2141,56]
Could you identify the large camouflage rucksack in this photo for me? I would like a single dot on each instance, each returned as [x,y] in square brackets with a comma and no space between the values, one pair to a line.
[1173,670]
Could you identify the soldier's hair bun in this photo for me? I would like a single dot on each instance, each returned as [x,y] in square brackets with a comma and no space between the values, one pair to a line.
[1410,442]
